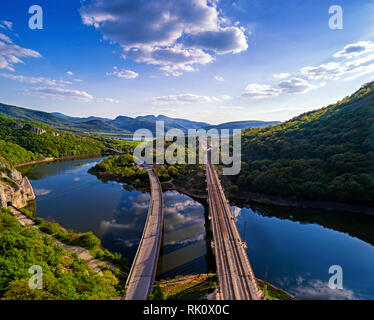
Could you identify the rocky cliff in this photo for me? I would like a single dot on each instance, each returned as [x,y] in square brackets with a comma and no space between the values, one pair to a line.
[14,189]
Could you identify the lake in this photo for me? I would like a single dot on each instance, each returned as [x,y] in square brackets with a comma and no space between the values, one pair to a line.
[291,248]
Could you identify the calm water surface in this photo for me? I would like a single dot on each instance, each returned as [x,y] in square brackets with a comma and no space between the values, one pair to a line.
[292,248]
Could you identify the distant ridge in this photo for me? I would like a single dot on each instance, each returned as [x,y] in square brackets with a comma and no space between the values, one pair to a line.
[121,124]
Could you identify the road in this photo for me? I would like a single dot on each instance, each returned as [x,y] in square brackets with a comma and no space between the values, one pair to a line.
[142,275]
[236,280]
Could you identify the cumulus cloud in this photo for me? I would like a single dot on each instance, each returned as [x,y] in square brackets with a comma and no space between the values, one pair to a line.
[177,36]
[258,91]
[182,99]
[331,70]
[355,49]
[123,74]
[219,78]
[222,41]
[70,73]
[35,80]
[356,64]
[281,75]
[296,85]
[61,94]
[171,60]
[359,61]
[293,85]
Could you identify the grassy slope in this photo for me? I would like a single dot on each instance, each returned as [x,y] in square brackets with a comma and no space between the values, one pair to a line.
[65,276]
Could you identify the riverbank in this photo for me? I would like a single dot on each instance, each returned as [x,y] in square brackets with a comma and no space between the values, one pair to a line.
[261,198]
[46,160]
[298,203]
[203,287]
[178,178]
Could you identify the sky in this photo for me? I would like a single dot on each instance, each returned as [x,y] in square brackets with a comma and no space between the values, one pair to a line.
[204,60]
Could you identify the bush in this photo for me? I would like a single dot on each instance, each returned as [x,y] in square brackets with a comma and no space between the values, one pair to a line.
[88,240]
[38,221]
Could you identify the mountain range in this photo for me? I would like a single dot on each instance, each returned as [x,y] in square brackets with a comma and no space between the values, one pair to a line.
[122,125]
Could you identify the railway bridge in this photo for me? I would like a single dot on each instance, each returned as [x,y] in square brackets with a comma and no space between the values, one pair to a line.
[236,280]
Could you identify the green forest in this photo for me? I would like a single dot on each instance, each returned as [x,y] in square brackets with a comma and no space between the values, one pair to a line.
[121,167]
[19,144]
[327,154]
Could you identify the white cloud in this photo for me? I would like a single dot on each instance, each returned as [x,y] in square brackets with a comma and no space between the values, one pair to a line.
[293,85]
[226,97]
[350,69]
[5,38]
[67,94]
[319,290]
[61,94]
[10,54]
[173,60]
[183,99]
[331,70]
[355,49]
[126,74]
[177,36]
[258,91]
[221,41]
[108,100]
[42,192]
[69,73]
[35,80]
[359,61]
[281,75]
[7,25]
[219,78]
[297,85]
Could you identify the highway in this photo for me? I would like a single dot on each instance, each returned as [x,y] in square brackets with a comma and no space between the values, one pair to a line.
[142,275]
[236,280]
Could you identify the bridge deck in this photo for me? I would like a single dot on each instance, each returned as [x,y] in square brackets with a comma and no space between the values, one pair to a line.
[236,279]
[141,278]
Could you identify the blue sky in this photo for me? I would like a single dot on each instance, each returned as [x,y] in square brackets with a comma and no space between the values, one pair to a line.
[213,61]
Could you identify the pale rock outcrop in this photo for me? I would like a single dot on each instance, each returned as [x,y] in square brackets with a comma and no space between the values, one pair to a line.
[14,189]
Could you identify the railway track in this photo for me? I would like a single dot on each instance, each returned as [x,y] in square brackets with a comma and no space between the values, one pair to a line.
[235,275]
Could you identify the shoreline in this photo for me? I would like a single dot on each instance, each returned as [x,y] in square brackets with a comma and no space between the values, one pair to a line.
[259,198]
[46,160]
[281,201]
[203,287]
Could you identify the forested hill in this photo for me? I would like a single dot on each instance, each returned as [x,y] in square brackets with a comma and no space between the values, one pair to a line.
[327,154]
[22,141]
